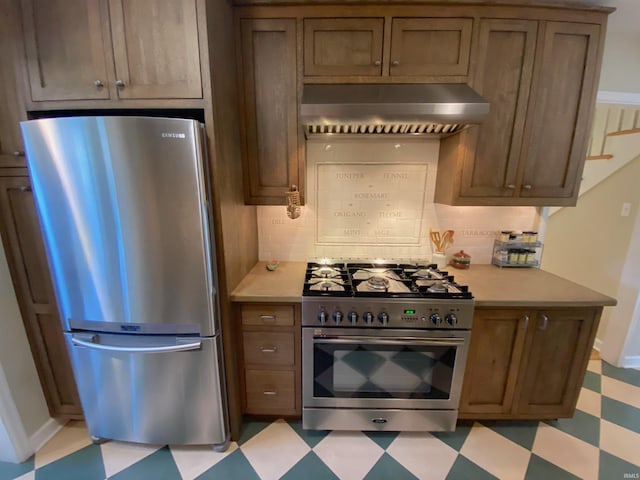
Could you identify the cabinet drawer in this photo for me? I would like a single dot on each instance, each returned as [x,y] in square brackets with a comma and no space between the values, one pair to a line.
[270,392]
[267,315]
[266,348]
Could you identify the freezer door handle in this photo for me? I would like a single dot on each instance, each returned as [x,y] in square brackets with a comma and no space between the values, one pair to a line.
[112,348]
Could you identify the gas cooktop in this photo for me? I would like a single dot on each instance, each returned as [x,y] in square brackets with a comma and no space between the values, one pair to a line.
[388,280]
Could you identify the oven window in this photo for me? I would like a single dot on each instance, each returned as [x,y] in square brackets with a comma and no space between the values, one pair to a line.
[382,371]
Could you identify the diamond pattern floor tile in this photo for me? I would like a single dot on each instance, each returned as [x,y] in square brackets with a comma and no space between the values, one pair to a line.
[159,466]
[387,467]
[274,450]
[84,464]
[613,467]
[496,454]
[627,375]
[348,454]
[621,414]
[583,426]
[601,441]
[310,468]
[464,469]
[590,402]
[193,461]
[231,467]
[567,452]
[621,391]
[540,469]
[591,381]
[522,433]
[117,456]
[424,455]
[619,441]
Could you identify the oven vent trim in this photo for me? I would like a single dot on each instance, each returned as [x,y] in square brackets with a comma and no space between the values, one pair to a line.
[383,129]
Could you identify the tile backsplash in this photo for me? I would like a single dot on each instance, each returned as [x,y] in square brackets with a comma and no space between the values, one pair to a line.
[373,199]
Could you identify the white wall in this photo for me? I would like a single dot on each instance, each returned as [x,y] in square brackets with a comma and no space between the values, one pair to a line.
[621,62]
[16,360]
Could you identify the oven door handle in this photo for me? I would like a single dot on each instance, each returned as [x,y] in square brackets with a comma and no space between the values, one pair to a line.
[444,342]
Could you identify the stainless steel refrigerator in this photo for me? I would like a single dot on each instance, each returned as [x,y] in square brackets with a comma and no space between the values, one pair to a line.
[124,207]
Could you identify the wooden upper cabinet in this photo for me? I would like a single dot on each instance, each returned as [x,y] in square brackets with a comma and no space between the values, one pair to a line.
[418,47]
[540,79]
[268,86]
[30,273]
[506,52]
[430,46]
[557,359]
[155,45]
[65,49]
[343,46]
[561,110]
[112,49]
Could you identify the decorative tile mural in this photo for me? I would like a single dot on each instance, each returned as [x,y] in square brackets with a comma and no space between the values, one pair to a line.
[373,199]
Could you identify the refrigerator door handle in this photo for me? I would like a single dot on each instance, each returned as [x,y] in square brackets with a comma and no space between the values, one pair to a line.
[164,349]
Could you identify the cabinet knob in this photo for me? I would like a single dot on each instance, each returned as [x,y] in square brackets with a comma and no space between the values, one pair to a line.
[511,186]
[98,83]
[18,153]
[119,84]
[270,393]
[525,325]
[377,63]
[25,189]
[527,187]
[273,349]
[395,63]
[268,318]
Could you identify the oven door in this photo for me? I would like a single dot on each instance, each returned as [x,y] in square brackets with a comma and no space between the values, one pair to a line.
[381,368]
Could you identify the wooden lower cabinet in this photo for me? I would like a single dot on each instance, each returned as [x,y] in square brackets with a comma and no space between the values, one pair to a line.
[527,363]
[25,253]
[270,359]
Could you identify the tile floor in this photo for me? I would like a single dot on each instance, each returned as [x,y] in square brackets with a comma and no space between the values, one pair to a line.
[602,441]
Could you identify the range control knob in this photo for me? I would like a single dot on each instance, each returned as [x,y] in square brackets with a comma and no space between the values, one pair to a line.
[322,317]
[337,317]
[451,319]
[353,317]
[368,318]
[434,318]
[383,317]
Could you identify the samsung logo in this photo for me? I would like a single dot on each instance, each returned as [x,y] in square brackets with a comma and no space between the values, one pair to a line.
[174,135]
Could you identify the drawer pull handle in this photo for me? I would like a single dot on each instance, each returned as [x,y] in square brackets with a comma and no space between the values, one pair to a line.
[268,318]
[526,322]
[545,322]
[270,393]
[268,349]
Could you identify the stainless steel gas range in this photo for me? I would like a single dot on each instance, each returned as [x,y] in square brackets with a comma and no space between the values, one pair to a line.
[383,346]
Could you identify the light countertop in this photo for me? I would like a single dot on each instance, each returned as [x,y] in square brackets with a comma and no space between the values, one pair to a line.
[491,287]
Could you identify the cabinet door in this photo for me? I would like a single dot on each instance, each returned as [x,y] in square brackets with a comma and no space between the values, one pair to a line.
[561,105]
[430,46]
[26,257]
[505,64]
[155,45]
[270,110]
[12,109]
[560,343]
[65,49]
[343,46]
[495,353]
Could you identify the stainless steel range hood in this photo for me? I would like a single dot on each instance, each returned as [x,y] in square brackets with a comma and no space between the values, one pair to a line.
[390,109]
